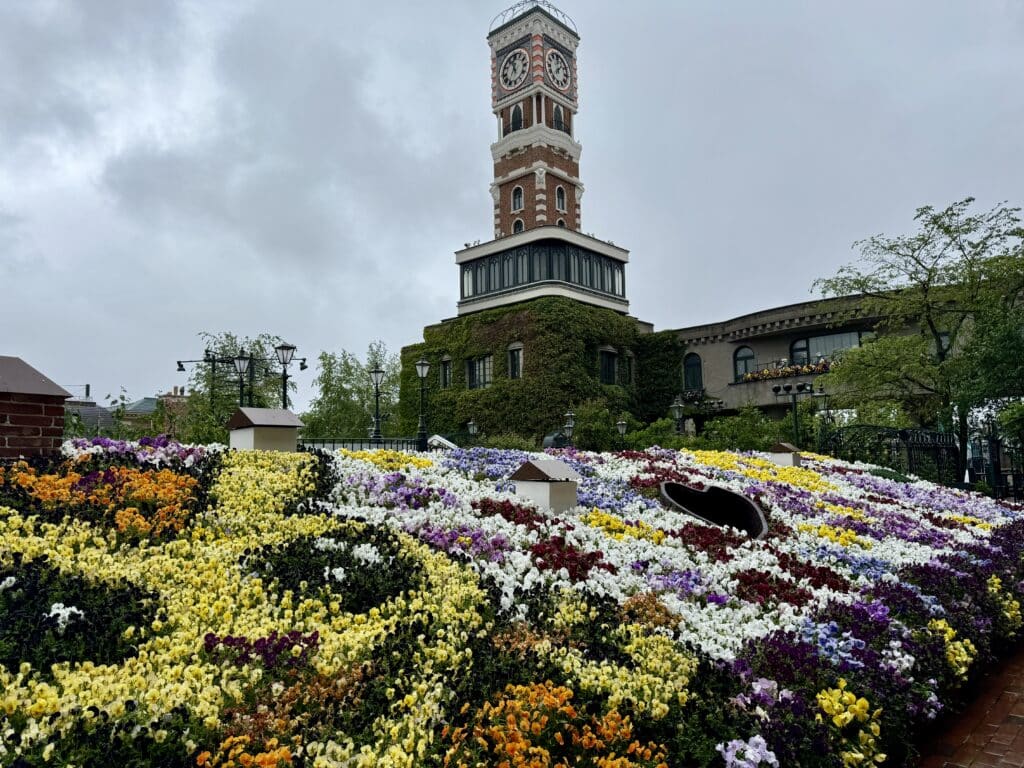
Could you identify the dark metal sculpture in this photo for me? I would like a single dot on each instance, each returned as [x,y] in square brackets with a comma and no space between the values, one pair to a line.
[717,506]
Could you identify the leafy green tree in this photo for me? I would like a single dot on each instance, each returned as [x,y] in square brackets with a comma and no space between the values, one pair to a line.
[926,292]
[214,386]
[344,403]
[1011,422]
[748,430]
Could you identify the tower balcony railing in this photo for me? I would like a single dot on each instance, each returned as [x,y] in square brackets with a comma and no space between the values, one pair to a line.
[558,125]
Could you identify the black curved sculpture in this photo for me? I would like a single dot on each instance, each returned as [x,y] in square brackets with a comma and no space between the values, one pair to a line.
[717,506]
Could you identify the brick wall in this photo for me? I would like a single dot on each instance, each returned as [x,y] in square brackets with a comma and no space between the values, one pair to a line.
[30,425]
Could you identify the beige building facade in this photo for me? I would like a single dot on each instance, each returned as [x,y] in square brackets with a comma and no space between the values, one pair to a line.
[739,361]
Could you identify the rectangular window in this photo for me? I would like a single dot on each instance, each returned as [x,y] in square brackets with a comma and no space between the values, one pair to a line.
[479,372]
[494,280]
[515,363]
[826,346]
[628,372]
[608,367]
[558,264]
[540,265]
[446,374]
[508,269]
[522,267]
[467,282]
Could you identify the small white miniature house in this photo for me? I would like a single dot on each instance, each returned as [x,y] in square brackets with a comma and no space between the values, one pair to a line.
[547,482]
[264,429]
[785,455]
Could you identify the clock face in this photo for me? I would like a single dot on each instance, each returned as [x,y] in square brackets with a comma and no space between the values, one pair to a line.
[514,69]
[558,69]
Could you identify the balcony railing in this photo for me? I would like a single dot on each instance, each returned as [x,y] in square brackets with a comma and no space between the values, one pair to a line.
[783,369]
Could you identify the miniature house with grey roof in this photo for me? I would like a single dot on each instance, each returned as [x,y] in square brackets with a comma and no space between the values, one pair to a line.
[549,483]
[264,429]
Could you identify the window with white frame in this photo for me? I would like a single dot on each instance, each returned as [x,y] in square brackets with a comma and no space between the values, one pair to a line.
[517,226]
[479,372]
[515,361]
[560,198]
[517,198]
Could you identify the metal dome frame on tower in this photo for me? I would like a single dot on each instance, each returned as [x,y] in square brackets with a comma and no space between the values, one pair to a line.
[523,6]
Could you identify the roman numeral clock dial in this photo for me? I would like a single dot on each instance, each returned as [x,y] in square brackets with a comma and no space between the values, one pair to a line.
[514,69]
[558,70]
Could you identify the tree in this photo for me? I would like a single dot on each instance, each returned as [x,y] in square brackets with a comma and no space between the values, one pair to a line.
[214,386]
[344,404]
[748,430]
[926,292]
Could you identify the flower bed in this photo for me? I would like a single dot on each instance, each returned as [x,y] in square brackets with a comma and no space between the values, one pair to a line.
[386,609]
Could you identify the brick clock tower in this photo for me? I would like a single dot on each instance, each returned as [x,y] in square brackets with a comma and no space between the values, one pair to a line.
[534,97]
[537,249]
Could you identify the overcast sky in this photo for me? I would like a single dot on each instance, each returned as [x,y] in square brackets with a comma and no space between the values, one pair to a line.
[309,168]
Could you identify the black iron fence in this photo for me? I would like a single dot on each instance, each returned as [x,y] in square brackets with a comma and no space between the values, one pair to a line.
[930,455]
[359,444]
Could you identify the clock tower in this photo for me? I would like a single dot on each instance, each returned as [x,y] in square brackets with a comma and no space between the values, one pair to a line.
[538,249]
[534,98]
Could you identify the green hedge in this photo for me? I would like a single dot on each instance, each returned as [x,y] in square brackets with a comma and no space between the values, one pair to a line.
[561,339]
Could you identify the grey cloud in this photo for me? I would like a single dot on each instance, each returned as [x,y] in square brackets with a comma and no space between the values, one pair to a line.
[57,60]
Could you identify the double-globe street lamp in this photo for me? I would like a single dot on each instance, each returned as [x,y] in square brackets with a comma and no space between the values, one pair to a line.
[793,391]
[244,364]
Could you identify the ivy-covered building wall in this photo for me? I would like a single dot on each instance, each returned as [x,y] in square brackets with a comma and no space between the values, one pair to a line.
[562,350]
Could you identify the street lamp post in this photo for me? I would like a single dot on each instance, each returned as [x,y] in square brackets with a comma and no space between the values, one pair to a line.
[570,425]
[826,422]
[377,376]
[620,427]
[242,362]
[677,413]
[793,392]
[472,428]
[422,370]
[285,354]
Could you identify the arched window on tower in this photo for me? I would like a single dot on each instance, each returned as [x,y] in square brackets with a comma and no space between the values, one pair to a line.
[517,226]
[559,120]
[517,199]
[560,198]
[561,222]
[517,118]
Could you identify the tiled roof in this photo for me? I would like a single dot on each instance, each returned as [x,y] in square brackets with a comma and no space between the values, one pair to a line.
[20,378]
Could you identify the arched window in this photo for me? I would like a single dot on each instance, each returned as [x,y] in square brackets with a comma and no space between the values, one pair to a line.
[559,121]
[517,118]
[517,199]
[743,362]
[561,222]
[798,352]
[517,226]
[560,198]
[693,374]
